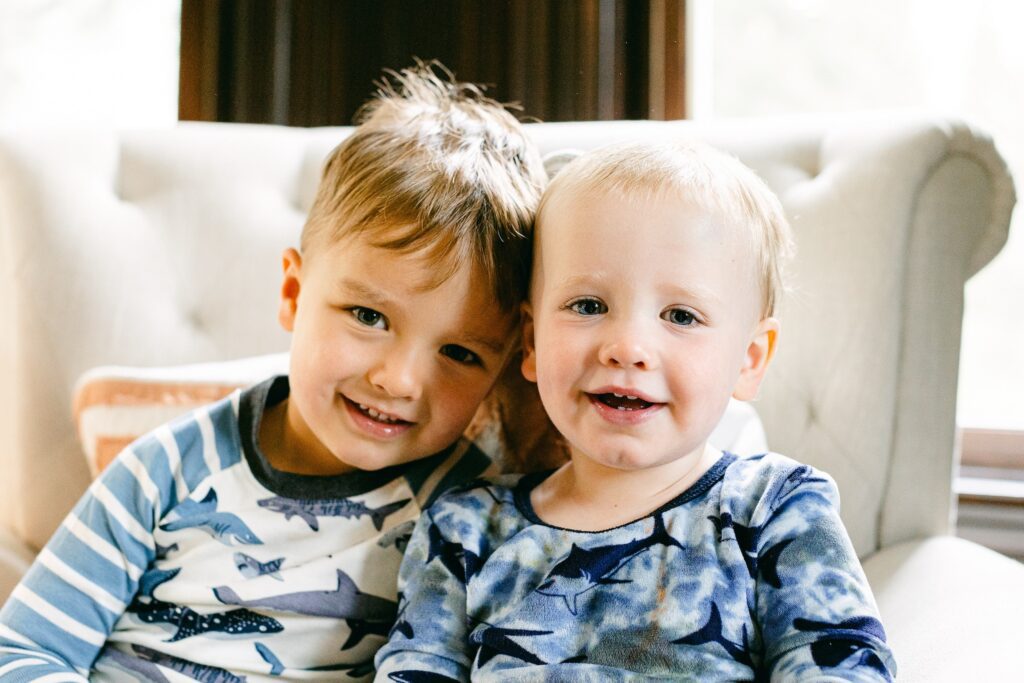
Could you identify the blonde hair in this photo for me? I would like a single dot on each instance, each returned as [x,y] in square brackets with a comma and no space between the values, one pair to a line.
[435,167]
[695,172]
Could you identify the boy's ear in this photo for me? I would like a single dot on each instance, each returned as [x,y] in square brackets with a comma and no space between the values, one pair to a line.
[759,353]
[291,263]
[529,364]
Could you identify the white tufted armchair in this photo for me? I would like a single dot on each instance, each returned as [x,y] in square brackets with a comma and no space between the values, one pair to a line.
[162,247]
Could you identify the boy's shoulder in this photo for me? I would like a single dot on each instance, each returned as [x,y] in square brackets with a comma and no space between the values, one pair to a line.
[767,480]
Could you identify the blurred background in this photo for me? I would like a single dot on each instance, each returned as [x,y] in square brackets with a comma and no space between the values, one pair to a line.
[151,63]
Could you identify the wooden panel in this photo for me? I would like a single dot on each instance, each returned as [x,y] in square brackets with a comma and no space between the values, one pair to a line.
[313,62]
[197,79]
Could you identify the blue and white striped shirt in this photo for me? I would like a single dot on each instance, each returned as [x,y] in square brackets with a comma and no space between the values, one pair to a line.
[191,556]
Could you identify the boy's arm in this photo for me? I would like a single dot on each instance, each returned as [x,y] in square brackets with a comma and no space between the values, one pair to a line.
[59,616]
[816,612]
[430,633]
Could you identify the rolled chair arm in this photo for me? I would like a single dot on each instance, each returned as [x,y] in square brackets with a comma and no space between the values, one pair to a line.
[951,608]
[15,558]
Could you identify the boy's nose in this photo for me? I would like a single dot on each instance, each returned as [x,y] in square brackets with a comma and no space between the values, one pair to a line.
[627,352]
[396,375]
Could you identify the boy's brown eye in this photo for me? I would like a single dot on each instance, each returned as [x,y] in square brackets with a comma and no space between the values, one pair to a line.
[460,354]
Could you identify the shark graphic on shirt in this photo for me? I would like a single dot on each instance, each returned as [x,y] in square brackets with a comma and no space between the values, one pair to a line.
[251,568]
[310,511]
[277,668]
[711,632]
[584,569]
[840,642]
[397,536]
[148,662]
[748,538]
[163,551]
[346,601]
[452,555]
[412,676]
[153,578]
[226,527]
[494,641]
[188,622]
[360,628]
[402,624]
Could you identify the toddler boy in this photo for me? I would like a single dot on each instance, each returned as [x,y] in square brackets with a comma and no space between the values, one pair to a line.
[261,536]
[650,554]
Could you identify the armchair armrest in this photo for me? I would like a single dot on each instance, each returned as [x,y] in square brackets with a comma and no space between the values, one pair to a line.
[15,558]
[951,608]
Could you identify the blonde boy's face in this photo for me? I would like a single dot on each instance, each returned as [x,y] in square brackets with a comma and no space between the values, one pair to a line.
[644,320]
[384,368]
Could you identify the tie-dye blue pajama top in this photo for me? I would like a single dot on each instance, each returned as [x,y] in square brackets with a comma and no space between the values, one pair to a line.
[747,575]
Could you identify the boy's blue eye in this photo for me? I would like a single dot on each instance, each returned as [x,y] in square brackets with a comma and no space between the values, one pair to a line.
[460,354]
[369,317]
[679,316]
[587,307]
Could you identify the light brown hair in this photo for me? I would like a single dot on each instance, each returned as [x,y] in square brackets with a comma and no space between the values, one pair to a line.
[435,167]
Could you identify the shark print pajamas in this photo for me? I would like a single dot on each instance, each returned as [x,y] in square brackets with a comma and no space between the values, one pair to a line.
[190,558]
[747,575]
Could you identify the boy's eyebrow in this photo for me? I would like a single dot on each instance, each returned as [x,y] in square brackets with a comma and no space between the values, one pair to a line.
[686,292]
[364,291]
[496,346]
[701,293]
[584,279]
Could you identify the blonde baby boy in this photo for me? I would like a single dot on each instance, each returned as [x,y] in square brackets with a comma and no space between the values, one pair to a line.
[650,554]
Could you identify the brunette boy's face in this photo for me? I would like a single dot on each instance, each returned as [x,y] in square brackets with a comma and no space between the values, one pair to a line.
[644,319]
[387,366]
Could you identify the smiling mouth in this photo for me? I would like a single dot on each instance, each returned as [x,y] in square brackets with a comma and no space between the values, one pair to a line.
[376,415]
[622,402]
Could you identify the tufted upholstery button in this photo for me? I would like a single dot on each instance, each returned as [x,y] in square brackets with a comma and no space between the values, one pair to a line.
[194,319]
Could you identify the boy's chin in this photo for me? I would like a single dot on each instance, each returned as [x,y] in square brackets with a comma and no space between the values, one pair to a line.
[636,458]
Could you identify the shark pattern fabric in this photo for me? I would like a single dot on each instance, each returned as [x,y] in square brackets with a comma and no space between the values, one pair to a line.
[747,575]
[191,557]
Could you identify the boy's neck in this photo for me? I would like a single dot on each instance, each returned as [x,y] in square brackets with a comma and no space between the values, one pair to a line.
[283,454]
[586,496]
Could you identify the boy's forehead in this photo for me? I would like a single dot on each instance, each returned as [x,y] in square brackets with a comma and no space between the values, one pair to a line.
[585,228]
[576,211]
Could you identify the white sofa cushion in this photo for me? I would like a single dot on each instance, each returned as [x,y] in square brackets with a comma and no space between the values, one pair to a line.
[952,610]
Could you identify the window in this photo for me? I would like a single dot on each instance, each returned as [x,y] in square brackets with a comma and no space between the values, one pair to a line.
[948,56]
[111,63]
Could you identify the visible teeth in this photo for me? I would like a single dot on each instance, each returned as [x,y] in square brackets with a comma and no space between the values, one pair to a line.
[376,415]
[621,408]
[631,398]
[617,395]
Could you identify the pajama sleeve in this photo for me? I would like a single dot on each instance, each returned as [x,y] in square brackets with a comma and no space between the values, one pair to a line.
[430,633]
[813,604]
[59,616]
